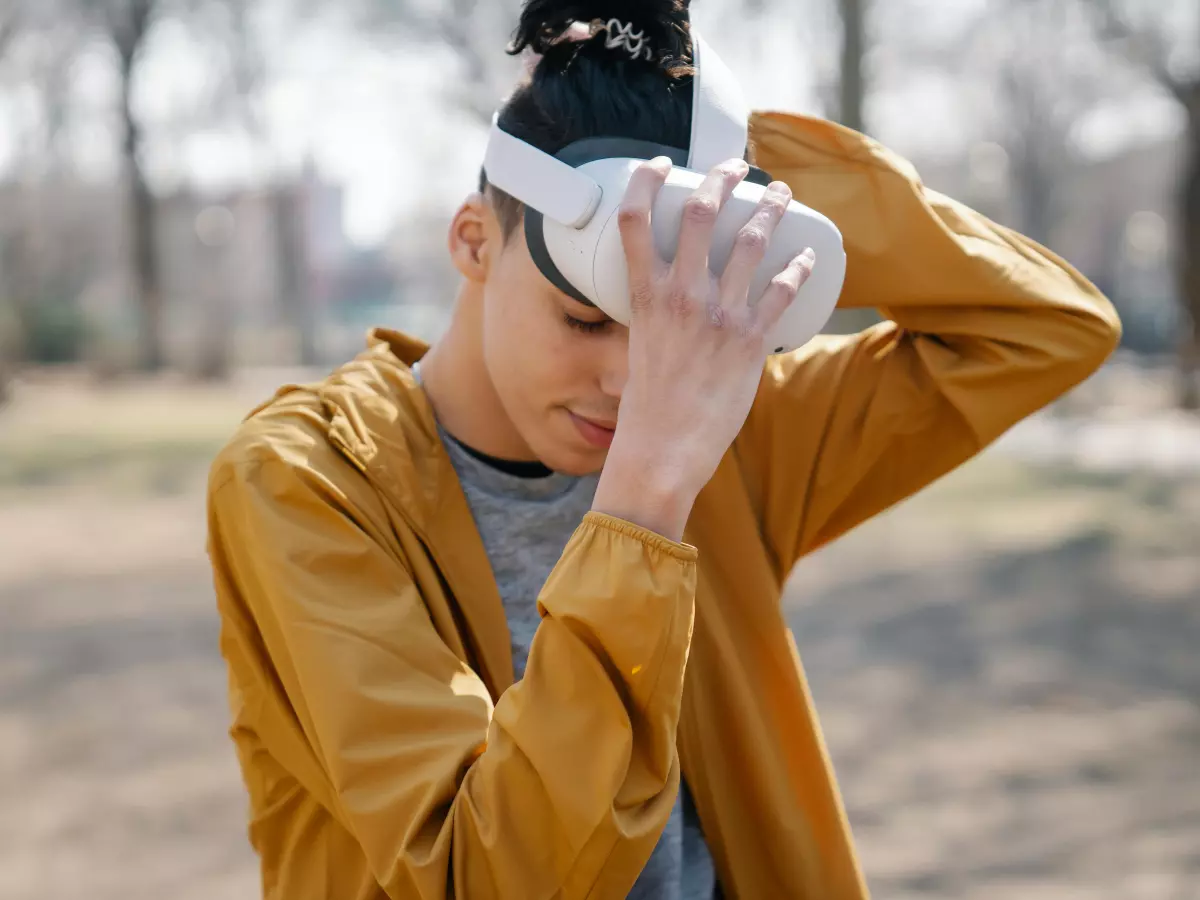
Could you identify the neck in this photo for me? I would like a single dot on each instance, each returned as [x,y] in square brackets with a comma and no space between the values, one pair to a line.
[461,391]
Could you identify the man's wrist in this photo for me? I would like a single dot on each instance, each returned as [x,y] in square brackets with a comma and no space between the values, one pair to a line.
[650,492]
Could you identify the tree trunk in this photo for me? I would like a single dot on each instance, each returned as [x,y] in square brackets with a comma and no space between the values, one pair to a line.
[145,269]
[144,261]
[18,283]
[1035,186]
[295,287]
[10,341]
[852,89]
[216,231]
[1189,260]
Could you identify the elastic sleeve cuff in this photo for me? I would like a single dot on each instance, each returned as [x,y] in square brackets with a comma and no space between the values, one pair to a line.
[652,539]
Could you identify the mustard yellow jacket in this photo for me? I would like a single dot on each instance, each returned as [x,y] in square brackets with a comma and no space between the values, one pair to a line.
[384,746]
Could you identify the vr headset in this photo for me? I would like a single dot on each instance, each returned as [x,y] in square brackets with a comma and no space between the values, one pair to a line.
[572,199]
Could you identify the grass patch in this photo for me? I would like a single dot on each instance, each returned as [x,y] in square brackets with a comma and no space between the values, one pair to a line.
[160,464]
[152,435]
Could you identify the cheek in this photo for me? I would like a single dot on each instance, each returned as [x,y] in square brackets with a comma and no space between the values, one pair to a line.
[527,346]
[523,324]
[565,353]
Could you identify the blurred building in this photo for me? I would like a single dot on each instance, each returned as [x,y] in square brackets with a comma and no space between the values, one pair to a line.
[253,276]
[268,276]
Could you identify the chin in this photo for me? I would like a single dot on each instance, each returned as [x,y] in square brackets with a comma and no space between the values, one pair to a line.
[570,457]
[569,460]
[582,464]
[559,446]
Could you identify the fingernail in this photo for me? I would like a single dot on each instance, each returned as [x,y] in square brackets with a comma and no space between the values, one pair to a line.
[808,255]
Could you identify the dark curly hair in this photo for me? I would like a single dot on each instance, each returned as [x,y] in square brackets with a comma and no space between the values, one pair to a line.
[582,89]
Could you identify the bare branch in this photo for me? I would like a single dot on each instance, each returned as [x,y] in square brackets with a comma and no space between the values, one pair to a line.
[113,16]
[853,86]
[1146,48]
[467,28]
[11,16]
[127,23]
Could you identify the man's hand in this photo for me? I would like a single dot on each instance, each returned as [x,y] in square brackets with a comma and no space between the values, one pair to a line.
[697,345]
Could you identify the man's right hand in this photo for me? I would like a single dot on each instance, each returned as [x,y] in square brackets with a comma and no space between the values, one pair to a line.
[697,345]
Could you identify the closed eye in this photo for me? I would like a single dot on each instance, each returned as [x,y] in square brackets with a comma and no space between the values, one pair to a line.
[585,326]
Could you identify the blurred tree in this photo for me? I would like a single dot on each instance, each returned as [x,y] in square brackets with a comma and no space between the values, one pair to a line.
[1164,42]
[127,24]
[242,73]
[240,79]
[852,87]
[216,230]
[8,319]
[12,350]
[836,40]
[290,213]
[60,32]
[9,11]
[288,210]
[851,103]
[1026,72]
[472,31]
[844,95]
[1044,80]
[43,249]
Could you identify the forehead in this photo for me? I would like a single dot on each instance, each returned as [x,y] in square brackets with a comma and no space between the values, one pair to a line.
[515,241]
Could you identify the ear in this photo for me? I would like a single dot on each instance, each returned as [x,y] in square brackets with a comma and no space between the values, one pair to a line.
[473,233]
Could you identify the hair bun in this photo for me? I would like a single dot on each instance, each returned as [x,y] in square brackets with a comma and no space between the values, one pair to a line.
[664,23]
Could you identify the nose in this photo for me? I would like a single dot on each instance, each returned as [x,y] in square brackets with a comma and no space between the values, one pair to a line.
[614,365]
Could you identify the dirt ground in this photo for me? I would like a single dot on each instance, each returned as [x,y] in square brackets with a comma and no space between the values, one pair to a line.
[1007,666]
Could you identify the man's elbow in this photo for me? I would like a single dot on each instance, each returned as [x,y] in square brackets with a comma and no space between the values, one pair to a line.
[1094,336]
[1065,349]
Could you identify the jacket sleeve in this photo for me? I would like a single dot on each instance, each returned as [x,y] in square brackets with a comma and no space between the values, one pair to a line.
[983,328]
[561,790]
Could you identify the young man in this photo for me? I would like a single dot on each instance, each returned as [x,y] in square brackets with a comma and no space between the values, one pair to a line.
[502,616]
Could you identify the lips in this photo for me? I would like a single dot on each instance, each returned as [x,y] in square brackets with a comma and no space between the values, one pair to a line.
[598,433]
[606,424]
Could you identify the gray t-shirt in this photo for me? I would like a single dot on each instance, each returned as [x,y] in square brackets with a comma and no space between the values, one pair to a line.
[525,523]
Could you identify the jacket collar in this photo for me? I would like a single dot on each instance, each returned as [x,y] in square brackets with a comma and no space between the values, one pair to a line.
[382,421]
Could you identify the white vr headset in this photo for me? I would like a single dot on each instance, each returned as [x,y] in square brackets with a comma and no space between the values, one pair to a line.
[572,200]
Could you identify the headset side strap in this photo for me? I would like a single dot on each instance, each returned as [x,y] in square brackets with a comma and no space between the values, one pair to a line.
[555,189]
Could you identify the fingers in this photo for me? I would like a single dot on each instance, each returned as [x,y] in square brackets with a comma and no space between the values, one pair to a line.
[700,212]
[751,244]
[783,289]
[637,237]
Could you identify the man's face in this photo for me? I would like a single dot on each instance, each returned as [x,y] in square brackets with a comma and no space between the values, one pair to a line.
[558,366]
